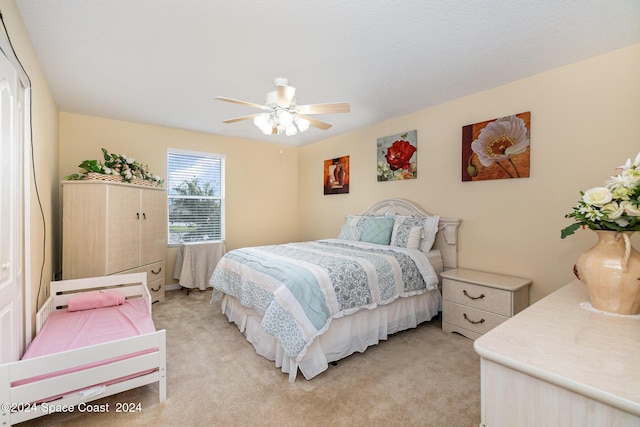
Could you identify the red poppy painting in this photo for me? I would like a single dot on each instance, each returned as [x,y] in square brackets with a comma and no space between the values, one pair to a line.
[398,156]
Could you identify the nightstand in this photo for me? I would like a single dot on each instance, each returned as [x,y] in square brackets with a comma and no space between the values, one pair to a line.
[474,302]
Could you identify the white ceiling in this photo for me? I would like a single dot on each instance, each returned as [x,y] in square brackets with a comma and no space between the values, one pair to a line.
[162,62]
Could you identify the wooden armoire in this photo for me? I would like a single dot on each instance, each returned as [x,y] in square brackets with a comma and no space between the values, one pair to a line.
[114,228]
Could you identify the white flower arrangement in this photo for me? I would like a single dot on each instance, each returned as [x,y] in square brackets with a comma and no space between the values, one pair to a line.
[614,207]
[119,165]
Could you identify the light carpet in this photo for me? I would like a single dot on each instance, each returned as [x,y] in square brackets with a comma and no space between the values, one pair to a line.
[419,377]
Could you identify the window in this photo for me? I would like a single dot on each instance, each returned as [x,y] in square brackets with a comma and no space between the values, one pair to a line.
[195,192]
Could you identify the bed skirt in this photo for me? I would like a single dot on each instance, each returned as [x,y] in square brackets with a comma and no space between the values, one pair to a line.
[345,336]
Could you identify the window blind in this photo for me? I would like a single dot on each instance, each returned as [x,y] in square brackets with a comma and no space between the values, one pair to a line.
[195,190]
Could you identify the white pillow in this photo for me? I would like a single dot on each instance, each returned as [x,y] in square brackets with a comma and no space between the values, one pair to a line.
[407,232]
[430,230]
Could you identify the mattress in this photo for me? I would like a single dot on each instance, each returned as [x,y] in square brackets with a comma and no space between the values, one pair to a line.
[65,330]
[68,330]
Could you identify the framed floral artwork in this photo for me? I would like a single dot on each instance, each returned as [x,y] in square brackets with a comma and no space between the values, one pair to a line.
[497,149]
[398,156]
[336,175]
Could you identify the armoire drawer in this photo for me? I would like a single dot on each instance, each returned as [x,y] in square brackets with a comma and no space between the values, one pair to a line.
[154,271]
[155,279]
[156,290]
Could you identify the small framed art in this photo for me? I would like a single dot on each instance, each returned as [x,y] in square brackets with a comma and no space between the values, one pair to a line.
[336,175]
[398,156]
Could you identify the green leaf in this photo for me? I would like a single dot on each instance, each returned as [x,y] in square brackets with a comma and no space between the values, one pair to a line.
[568,231]
[90,165]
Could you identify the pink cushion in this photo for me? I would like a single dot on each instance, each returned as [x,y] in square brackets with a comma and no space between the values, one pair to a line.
[95,299]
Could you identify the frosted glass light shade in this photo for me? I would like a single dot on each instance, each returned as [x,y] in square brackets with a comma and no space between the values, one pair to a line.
[302,123]
[291,130]
[282,121]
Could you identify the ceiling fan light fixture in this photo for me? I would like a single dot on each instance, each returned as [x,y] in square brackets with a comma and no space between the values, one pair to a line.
[301,122]
[264,122]
[284,114]
[283,121]
[291,130]
[284,117]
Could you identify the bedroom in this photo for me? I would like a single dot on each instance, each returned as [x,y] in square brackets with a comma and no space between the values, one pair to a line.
[582,116]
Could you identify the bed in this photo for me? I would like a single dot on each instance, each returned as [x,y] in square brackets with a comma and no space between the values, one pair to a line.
[94,337]
[380,276]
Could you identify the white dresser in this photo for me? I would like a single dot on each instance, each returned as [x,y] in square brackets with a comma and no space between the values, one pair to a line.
[474,302]
[559,364]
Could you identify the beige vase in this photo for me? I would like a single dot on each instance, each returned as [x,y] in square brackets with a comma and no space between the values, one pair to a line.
[611,273]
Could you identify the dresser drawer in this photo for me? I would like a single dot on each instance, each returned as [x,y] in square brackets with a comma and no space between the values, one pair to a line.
[154,271]
[156,290]
[155,279]
[478,296]
[469,318]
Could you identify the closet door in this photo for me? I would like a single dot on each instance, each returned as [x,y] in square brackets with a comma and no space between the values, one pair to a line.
[153,226]
[11,210]
[123,228]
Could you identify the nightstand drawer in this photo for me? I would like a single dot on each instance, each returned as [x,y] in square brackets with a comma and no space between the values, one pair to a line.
[478,321]
[477,296]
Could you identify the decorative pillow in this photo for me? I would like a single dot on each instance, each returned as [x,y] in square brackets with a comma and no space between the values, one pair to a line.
[352,228]
[95,299]
[377,230]
[354,220]
[407,232]
[350,232]
[430,230]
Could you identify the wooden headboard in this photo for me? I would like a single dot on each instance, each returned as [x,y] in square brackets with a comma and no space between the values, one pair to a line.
[446,238]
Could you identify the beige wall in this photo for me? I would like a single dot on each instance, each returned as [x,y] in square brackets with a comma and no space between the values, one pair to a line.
[583,125]
[43,183]
[261,184]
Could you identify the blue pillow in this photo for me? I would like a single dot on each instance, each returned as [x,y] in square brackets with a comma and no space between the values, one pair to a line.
[377,230]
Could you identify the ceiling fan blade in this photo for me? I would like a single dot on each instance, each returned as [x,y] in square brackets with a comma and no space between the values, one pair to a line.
[239,119]
[329,108]
[285,95]
[248,104]
[317,123]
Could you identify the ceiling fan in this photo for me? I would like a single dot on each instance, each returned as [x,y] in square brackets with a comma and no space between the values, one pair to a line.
[282,112]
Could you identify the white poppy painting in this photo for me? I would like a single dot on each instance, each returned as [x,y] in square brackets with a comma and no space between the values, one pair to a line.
[497,149]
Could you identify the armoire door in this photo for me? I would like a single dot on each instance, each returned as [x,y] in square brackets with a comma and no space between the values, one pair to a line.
[123,228]
[153,226]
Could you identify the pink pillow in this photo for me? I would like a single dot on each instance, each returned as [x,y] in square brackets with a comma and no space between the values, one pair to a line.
[95,299]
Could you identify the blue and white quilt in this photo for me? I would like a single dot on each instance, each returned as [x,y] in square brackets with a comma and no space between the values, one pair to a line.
[298,288]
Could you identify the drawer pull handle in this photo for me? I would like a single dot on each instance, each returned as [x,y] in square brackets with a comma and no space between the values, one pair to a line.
[157,272]
[470,297]
[160,287]
[471,321]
